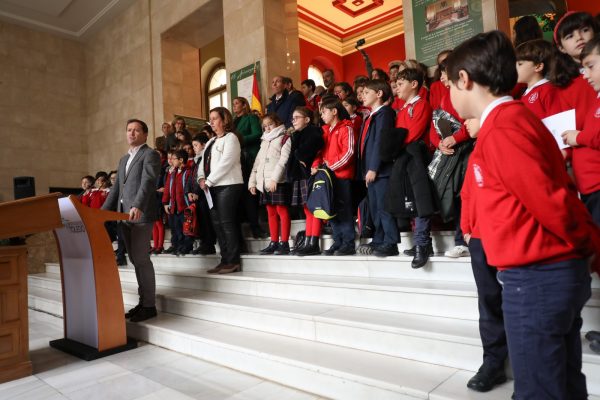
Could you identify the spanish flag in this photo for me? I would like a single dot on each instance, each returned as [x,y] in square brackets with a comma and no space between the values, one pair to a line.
[255,103]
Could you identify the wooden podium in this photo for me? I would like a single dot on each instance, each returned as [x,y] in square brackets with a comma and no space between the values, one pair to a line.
[92,297]
[19,218]
[93,308]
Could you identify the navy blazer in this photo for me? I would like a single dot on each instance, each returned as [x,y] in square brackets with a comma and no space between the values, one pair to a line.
[285,106]
[369,159]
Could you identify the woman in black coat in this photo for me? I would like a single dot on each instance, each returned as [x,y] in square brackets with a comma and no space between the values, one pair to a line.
[307,140]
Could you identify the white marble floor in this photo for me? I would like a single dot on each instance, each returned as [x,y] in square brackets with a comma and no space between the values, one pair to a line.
[148,373]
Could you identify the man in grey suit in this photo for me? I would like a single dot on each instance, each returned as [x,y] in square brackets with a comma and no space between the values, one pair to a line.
[135,193]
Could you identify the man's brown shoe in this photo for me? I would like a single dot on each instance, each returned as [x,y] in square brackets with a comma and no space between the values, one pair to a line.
[216,269]
[228,269]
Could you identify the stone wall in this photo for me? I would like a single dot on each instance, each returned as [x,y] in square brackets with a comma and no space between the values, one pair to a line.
[119,81]
[42,119]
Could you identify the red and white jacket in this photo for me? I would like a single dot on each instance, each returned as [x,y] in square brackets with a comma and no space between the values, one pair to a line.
[338,151]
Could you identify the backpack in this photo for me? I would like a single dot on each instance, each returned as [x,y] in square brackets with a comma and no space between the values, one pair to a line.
[320,200]
[190,222]
[365,221]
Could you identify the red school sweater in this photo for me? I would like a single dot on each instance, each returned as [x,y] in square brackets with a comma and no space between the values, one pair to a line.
[543,100]
[415,117]
[578,95]
[586,156]
[436,93]
[174,194]
[525,207]
[338,150]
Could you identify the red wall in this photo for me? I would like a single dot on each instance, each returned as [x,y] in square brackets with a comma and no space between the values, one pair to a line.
[591,6]
[320,58]
[347,67]
[380,54]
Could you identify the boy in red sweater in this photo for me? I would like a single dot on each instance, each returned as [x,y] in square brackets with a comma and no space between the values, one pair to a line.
[415,115]
[175,202]
[533,62]
[533,227]
[338,155]
[586,143]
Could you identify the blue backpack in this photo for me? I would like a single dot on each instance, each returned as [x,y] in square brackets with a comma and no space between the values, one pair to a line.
[321,198]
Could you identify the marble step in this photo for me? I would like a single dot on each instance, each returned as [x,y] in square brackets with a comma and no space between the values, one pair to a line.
[439,268]
[442,341]
[171,336]
[427,297]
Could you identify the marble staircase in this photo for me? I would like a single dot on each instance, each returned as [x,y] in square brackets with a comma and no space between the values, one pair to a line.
[353,327]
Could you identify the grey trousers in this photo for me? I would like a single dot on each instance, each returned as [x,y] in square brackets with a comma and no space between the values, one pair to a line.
[137,242]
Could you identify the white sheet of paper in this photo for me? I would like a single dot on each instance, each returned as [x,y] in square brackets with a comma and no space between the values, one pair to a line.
[558,123]
[208,198]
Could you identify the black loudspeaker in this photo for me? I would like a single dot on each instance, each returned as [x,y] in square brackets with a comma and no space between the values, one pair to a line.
[24,186]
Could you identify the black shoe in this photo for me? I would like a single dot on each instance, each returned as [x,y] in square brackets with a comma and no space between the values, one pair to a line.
[411,252]
[158,251]
[121,261]
[422,255]
[331,251]
[311,247]
[300,245]
[386,250]
[595,346]
[346,250]
[486,378]
[183,251]
[170,250]
[283,248]
[143,314]
[365,249]
[133,311]
[593,336]
[270,249]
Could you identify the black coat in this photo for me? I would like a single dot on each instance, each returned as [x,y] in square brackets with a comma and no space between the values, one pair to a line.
[449,178]
[305,146]
[285,106]
[410,190]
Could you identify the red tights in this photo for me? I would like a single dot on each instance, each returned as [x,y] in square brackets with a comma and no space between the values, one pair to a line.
[313,224]
[158,234]
[277,214]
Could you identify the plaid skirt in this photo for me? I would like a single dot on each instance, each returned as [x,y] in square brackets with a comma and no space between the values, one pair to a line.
[280,197]
[299,192]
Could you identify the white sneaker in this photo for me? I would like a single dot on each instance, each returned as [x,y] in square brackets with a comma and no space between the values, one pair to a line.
[457,251]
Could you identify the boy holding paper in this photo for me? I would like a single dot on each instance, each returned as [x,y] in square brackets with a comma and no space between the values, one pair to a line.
[586,143]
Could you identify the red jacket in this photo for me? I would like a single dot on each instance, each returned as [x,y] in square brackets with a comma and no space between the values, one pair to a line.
[543,100]
[174,194]
[586,157]
[525,207]
[97,198]
[357,121]
[462,135]
[578,95]
[436,93]
[338,151]
[415,117]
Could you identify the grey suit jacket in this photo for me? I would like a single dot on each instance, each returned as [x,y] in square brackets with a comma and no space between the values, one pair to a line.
[137,188]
